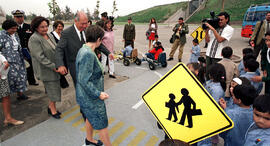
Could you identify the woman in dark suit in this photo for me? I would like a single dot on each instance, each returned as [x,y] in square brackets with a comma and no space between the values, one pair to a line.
[58,27]
[42,48]
[90,93]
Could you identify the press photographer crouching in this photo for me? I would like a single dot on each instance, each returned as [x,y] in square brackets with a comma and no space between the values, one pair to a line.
[218,37]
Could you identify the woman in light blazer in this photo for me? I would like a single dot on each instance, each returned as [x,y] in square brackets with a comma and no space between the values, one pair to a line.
[42,46]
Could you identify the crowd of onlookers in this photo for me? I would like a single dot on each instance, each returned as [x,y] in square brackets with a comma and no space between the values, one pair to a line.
[30,51]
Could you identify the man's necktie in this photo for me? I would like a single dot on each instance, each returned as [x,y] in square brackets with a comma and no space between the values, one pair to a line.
[82,39]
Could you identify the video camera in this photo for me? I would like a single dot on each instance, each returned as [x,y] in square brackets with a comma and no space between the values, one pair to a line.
[111,18]
[213,21]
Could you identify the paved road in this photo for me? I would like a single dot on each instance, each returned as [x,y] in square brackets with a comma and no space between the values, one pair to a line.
[128,124]
[130,120]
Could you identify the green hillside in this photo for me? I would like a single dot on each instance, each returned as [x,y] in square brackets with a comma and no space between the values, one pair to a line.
[236,9]
[160,13]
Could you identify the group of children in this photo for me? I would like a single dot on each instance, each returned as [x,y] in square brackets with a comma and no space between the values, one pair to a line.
[236,89]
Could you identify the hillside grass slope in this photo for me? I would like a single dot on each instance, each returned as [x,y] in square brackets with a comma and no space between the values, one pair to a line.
[236,9]
[160,13]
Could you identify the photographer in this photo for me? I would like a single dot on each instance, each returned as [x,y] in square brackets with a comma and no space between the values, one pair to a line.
[180,30]
[217,38]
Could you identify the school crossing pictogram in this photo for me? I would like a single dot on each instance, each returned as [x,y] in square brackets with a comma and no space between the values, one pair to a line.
[188,111]
[183,108]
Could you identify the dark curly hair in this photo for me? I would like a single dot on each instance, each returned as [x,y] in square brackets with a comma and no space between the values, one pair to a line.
[56,23]
[9,24]
[37,21]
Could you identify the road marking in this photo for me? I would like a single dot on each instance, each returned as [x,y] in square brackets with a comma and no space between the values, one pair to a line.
[137,105]
[158,74]
[73,117]
[123,136]
[78,122]
[70,111]
[152,141]
[141,68]
[115,128]
[136,140]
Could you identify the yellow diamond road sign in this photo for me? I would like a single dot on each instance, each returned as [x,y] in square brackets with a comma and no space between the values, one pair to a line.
[184,109]
[198,34]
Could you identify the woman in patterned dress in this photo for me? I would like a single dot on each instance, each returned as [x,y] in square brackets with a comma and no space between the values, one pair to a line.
[11,57]
[90,93]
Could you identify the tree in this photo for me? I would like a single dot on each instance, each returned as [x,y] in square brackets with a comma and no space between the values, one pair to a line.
[114,7]
[223,3]
[96,11]
[68,15]
[88,14]
[31,16]
[54,8]
[2,13]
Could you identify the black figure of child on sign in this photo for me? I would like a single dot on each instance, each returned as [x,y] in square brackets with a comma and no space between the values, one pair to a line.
[172,105]
[188,112]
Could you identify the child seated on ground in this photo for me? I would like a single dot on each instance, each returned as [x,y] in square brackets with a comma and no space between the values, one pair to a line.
[258,134]
[195,51]
[128,49]
[251,66]
[241,115]
[230,67]
[154,53]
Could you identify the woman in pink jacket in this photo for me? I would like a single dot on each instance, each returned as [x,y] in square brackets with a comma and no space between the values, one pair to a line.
[108,41]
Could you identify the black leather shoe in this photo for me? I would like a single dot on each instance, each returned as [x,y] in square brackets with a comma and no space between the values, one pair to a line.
[170,59]
[99,143]
[179,60]
[112,76]
[34,84]
[22,97]
[50,113]
[56,116]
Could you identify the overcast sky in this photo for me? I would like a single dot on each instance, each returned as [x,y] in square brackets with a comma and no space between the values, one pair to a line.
[40,7]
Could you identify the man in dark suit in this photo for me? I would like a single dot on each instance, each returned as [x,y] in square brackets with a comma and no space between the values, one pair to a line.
[25,33]
[71,41]
[129,33]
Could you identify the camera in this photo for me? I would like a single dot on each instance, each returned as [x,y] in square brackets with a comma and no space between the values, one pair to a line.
[213,21]
[111,18]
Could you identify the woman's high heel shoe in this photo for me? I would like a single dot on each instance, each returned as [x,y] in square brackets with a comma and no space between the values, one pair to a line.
[56,116]
[15,123]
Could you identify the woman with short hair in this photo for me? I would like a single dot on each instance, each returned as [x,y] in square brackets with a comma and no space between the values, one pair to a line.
[90,93]
[42,47]
[58,27]
[11,49]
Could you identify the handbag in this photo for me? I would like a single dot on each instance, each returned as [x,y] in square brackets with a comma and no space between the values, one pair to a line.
[172,39]
[147,34]
[26,53]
